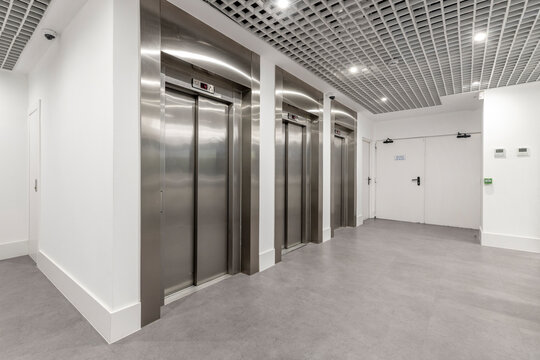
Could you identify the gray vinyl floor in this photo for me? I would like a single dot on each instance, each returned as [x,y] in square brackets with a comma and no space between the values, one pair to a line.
[386,290]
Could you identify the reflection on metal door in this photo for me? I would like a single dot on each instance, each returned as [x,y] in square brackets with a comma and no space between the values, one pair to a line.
[294,145]
[34,132]
[212,189]
[337,179]
[366,179]
[400,180]
[178,186]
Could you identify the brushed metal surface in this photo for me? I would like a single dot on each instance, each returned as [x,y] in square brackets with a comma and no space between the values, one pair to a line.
[212,189]
[337,182]
[344,120]
[178,188]
[188,39]
[150,108]
[294,178]
[295,97]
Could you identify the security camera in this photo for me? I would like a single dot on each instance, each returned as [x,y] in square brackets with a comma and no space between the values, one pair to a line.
[332,97]
[49,34]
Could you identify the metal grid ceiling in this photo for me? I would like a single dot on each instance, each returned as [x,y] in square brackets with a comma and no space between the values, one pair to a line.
[18,20]
[412,52]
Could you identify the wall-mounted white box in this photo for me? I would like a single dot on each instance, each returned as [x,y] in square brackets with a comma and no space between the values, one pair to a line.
[523,151]
[500,153]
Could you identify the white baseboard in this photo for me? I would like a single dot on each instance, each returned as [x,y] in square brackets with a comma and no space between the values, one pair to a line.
[359,220]
[13,249]
[326,234]
[112,325]
[267,259]
[512,242]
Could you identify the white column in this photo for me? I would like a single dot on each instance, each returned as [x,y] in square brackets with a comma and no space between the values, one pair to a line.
[267,165]
[327,137]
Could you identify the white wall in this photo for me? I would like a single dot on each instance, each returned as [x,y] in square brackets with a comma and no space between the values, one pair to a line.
[511,206]
[430,125]
[89,236]
[365,131]
[267,164]
[14,165]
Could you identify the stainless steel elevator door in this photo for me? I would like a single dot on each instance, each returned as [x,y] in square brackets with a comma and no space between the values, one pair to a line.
[212,189]
[293,179]
[178,171]
[337,183]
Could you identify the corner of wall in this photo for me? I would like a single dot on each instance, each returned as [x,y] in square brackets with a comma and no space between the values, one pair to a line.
[111,325]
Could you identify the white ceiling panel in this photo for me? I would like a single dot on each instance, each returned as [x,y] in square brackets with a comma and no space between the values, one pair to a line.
[411,52]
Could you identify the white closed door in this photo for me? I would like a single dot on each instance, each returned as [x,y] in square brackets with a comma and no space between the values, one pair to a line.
[34,132]
[400,180]
[366,179]
[454,181]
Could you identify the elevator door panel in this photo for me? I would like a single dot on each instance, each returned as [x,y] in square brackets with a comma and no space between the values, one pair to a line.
[337,186]
[294,169]
[178,191]
[212,189]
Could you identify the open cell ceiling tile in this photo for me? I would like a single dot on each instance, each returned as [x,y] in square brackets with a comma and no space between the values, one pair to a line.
[18,20]
[412,52]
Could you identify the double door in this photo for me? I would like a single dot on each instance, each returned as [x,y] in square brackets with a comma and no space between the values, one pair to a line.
[434,180]
[194,183]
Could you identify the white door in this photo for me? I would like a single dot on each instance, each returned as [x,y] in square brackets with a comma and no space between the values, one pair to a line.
[366,179]
[400,180]
[34,130]
[454,181]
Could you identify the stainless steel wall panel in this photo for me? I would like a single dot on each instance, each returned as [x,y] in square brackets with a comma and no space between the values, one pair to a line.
[212,189]
[178,187]
[235,183]
[250,171]
[151,287]
[191,40]
[279,218]
[337,182]
[294,177]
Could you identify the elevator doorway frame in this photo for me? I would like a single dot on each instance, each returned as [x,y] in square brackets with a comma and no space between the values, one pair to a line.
[167,30]
[293,96]
[233,99]
[344,124]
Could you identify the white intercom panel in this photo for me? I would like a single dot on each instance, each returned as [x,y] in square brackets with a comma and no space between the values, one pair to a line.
[500,153]
[523,151]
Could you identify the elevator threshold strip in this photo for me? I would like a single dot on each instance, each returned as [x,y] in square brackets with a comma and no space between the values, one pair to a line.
[291,249]
[193,289]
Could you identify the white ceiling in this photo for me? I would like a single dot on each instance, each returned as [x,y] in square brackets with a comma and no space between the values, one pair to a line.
[431,41]
[18,21]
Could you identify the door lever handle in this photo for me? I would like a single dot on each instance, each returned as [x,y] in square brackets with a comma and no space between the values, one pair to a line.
[35,185]
[417,179]
[368,180]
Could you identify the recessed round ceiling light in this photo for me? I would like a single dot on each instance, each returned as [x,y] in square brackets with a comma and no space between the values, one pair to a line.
[283,4]
[353,69]
[383,99]
[475,83]
[480,36]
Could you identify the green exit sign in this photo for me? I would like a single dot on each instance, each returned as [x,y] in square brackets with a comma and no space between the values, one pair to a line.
[488,181]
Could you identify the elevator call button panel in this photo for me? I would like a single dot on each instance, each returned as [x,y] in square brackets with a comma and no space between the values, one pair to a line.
[197,84]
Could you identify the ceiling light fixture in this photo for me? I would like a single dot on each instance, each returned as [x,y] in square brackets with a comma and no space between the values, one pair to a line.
[475,83]
[383,99]
[480,37]
[283,4]
[353,69]
[365,70]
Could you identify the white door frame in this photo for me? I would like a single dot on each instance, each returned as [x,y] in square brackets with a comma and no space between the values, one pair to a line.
[370,142]
[34,184]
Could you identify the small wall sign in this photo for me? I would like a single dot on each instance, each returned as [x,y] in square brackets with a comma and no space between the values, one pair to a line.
[488,181]
[399,157]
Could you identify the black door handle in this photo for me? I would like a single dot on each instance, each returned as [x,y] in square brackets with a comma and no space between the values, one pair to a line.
[417,179]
